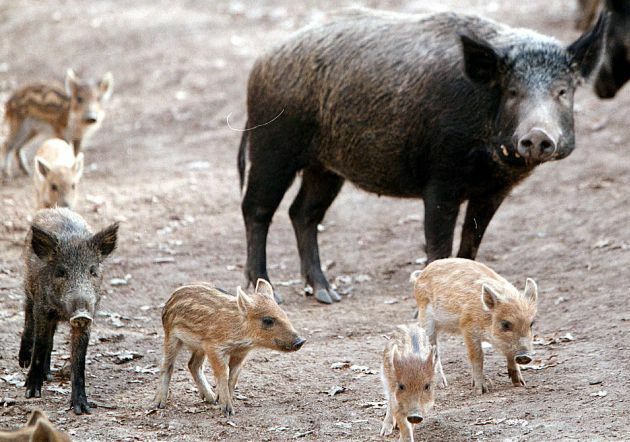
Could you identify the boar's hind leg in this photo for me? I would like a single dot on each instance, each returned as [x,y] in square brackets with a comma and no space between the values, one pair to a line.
[44,329]
[267,181]
[26,344]
[478,215]
[195,365]
[319,189]
[80,337]
[441,206]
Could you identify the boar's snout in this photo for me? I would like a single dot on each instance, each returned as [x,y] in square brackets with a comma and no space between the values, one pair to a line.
[81,319]
[523,358]
[415,418]
[298,343]
[537,145]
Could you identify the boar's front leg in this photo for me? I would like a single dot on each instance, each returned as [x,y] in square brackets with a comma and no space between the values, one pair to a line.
[26,344]
[478,215]
[318,191]
[441,206]
[44,330]
[80,337]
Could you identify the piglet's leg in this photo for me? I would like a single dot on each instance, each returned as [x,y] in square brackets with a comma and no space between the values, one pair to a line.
[26,344]
[172,345]
[79,339]
[514,371]
[475,355]
[406,429]
[195,365]
[388,422]
[44,328]
[236,363]
[431,328]
[221,371]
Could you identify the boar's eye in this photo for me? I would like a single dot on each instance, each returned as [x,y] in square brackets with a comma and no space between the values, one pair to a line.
[427,387]
[93,271]
[53,187]
[401,387]
[562,92]
[268,321]
[506,325]
[512,92]
[79,99]
[60,272]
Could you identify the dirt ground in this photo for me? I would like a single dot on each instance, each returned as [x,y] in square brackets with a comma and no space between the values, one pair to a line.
[164,164]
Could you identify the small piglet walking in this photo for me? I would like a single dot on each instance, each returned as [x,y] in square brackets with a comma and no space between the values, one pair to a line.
[224,328]
[409,363]
[466,297]
[63,278]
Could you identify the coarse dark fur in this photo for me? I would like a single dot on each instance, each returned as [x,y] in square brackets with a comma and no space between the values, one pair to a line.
[62,283]
[427,107]
[615,68]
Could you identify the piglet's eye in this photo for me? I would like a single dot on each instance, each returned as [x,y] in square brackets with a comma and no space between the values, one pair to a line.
[532,324]
[268,321]
[427,387]
[54,187]
[401,387]
[506,325]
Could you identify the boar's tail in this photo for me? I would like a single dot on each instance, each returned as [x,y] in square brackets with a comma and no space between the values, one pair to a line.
[242,157]
[414,276]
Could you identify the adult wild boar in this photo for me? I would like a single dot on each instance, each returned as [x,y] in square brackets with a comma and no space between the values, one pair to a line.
[615,68]
[445,107]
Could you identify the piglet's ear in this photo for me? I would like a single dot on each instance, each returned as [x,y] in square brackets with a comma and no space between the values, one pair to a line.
[481,61]
[71,82]
[78,166]
[34,417]
[531,290]
[106,86]
[489,297]
[264,288]
[433,356]
[243,301]
[44,431]
[105,240]
[586,51]
[43,243]
[41,168]
[395,356]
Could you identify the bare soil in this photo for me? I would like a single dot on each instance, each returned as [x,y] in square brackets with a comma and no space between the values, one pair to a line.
[164,163]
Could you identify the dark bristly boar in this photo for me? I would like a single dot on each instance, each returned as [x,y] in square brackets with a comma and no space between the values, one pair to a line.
[408,377]
[466,297]
[62,283]
[37,429]
[223,328]
[615,68]
[445,107]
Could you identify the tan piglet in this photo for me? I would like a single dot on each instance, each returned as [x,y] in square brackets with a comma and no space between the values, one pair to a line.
[57,174]
[466,297]
[223,328]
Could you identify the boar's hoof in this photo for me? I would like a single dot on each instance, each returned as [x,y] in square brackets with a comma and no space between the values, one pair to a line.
[33,391]
[327,296]
[24,358]
[277,297]
[82,406]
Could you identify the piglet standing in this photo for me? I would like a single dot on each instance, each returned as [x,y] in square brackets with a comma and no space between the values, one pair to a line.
[462,296]
[408,378]
[62,283]
[57,174]
[224,328]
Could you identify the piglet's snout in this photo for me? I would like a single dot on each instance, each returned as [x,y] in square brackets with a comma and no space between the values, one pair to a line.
[415,418]
[298,343]
[523,358]
[81,319]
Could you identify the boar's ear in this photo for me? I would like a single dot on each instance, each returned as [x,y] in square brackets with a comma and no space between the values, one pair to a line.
[71,82]
[481,62]
[264,288]
[621,6]
[41,168]
[78,166]
[489,297]
[106,86]
[43,243]
[34,417]
[586,51]
[105,240]
[243,301]
[531,290]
